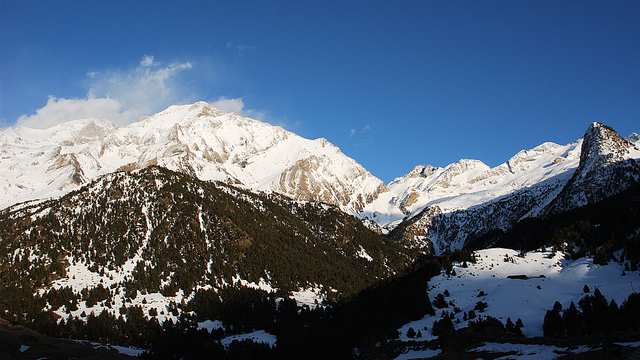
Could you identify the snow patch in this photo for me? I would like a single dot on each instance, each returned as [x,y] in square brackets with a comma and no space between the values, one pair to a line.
[259,336]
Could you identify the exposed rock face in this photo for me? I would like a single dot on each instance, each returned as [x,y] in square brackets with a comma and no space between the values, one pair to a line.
[308,179]
[608,165]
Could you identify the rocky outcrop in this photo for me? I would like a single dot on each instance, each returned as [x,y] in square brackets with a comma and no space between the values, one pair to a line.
[608,165]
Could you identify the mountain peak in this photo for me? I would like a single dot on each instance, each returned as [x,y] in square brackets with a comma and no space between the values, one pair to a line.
[608,165]
[196,139]
[205,109]
[422,171]
[602,146]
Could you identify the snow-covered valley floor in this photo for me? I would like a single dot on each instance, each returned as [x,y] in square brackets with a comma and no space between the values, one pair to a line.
[549,278]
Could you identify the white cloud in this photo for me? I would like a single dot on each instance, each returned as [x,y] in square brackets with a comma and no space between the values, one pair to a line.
[119,96]
[237,106]
[60,110]
[123,96]
[229,105]
[147,61]
[353,132]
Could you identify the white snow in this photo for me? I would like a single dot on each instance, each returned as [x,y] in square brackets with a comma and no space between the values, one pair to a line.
[210,325]
[127,350]
[193,138]
[362,253]
[419,354]
[259,336]
[466,183]
[310,297]
[528,300]
[533,352]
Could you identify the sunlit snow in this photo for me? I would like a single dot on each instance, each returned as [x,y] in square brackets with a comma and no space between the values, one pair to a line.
[550,278]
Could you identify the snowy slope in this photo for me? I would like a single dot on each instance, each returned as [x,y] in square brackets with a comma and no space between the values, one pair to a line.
[466,183]
[195,139]
[528,300]
[43,163]
[436,209]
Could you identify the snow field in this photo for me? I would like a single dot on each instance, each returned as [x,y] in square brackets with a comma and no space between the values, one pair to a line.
[563,281]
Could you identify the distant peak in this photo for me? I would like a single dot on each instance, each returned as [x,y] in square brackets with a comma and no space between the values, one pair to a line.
[603,145]
[596,128]
[421,171]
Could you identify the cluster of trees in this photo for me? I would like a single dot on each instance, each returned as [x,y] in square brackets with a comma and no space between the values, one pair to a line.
[593,315]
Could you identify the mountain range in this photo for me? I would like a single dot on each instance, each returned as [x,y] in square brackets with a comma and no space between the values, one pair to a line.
[198,140]
[198,219]
[431,209]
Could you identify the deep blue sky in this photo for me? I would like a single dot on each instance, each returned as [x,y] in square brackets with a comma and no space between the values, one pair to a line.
[393,84]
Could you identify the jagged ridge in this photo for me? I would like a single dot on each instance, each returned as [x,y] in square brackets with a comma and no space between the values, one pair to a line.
[549,179]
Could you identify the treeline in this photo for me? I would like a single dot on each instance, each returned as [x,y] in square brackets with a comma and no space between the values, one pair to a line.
[593,315]
[331,331]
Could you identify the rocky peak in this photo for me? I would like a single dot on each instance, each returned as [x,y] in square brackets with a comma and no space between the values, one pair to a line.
[92,130]
[202,109]
[196,139]
[460,173]
[421,171]
[602,146]
[608,165]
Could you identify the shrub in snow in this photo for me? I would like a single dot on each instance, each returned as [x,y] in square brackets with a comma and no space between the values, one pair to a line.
[472,314]
[480,306]
[439,302]
[443,326]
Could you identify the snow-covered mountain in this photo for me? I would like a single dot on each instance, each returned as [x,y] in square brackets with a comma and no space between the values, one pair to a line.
[466,183]
[443,208]
[195,139]
[448,207]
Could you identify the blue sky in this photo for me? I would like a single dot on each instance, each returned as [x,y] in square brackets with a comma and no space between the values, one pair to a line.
[393,84]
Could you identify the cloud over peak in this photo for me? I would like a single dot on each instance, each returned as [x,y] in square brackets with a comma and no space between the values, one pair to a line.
[120,96]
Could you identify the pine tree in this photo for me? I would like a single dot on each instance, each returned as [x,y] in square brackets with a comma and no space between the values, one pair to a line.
[519,323]
[553,325]
[572,321]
